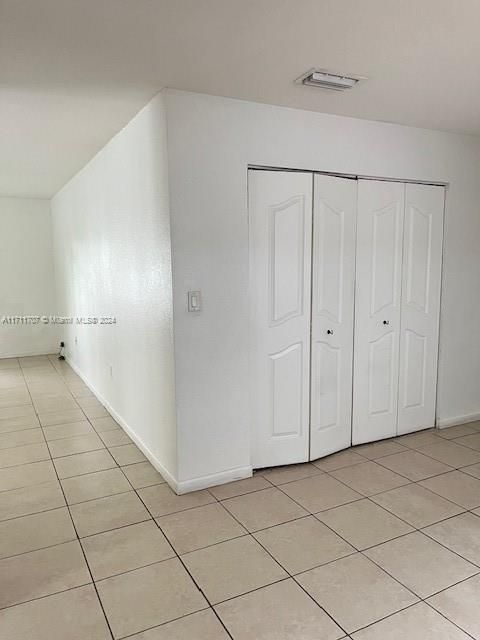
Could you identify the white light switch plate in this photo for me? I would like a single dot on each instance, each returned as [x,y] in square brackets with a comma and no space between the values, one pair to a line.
[194,301]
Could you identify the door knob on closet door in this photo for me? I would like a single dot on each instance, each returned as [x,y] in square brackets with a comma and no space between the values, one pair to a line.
[386,322]
[330,332]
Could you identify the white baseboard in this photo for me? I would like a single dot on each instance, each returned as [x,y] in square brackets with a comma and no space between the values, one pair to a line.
[240,473]
[179,487]
[128,430]
[443,423]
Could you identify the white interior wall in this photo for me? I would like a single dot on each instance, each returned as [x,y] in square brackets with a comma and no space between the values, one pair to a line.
[27,286]
[112,240]
[112,255]
[211,142]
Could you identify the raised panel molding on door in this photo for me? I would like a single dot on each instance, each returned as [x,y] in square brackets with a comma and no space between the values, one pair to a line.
[422,259]
[280,222]
[377,309]
[333,274]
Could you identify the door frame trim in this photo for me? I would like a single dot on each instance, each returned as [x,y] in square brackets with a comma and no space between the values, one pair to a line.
[350,176]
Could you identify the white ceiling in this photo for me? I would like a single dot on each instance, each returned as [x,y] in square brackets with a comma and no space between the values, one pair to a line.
[73,72]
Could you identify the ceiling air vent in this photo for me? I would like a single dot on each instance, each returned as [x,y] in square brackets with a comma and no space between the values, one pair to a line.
[329,80]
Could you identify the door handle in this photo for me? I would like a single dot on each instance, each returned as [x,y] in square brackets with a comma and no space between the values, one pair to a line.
[386,322]
[330,332]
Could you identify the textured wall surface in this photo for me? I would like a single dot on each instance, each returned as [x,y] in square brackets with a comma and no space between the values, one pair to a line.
[27,285]
[112,255]
[211,142]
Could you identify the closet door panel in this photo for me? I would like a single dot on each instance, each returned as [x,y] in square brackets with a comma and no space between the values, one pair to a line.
[377,312]
[333,270]
[422,258]
[280,210]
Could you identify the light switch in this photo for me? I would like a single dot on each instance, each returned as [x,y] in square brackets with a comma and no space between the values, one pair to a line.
[194,301]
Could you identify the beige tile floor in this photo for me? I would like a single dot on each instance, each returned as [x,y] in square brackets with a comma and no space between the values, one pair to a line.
[380,542]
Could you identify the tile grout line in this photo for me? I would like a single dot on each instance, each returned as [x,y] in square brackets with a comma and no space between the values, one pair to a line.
[420,599]
[158,626]
[415,529]
[313,515]
[290,576]
[78,538]
[360,552]
[386,542]
[409,483]
[178,557]
[308,514]
[448,620]
[185,567]
[174,551]
[454,468]
[245,534]
[434,475]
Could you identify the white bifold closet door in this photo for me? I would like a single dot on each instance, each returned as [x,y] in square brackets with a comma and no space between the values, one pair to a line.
[398,270]
[377,309]
[306,357]
[280,210]
[421,285]
[301,314]
[333,271]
